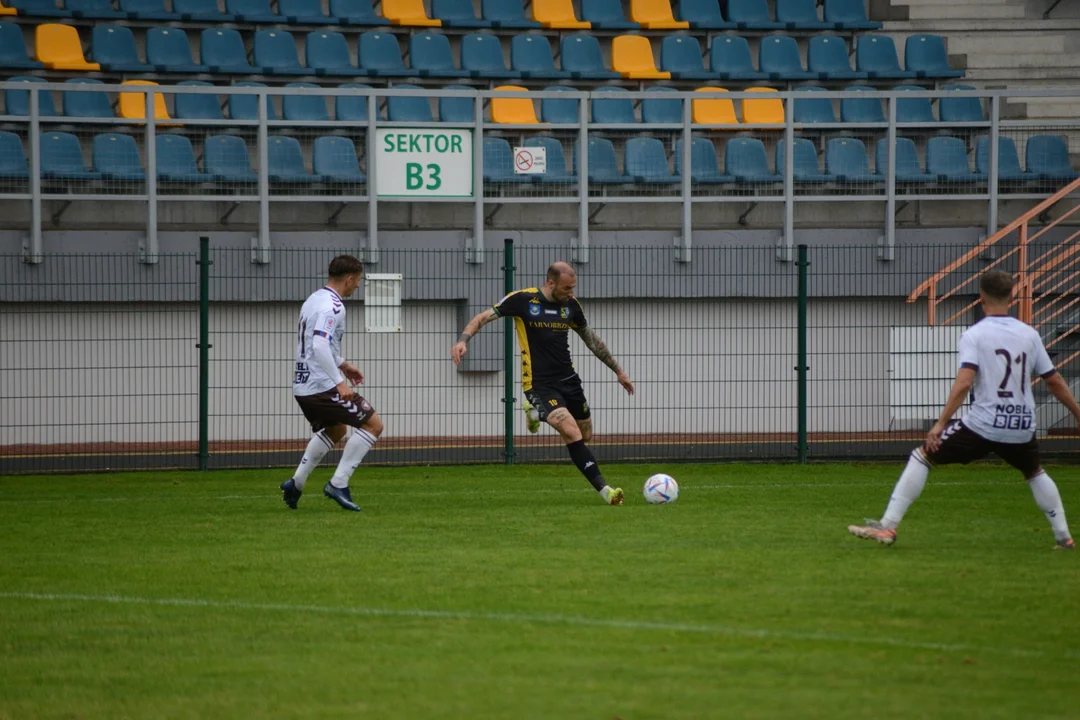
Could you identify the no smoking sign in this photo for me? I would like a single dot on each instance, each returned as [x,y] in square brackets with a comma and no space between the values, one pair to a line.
[530,160]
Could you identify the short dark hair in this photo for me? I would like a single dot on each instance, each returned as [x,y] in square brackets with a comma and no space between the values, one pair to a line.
[344,265]
[996,285]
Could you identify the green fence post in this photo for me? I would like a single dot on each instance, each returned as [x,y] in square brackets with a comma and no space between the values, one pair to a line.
[204,353]
[801,368]
[508,355]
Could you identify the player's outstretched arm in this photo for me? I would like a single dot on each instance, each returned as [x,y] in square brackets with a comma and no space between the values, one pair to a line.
[965,378]
[1060,389]
[600,350]
[461,346]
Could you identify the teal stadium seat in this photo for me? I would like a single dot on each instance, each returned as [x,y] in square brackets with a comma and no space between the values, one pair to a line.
[746,161]
[499,163]
[609,15]
[86,104]
[116,157]
[202,11]
[556,160]
[13,49]
[581,56]
[603,164]
[380,55]
[457,14]
[861,110]
[327,53]
[914,109]
[431,56]
[680,55]
[275,52]
[608,108]
[17,102]
[908,168]
[246,107]
[222,50]
[169,51]
[351,108]
[801,15]
[557,110]
[846,159]
[39,8]
[704,167]
[252,11]
[531,56]
[482,56]
[947,160]
[304,108]
[702,15]
[925,56]
[1009,169]
[752,15]
[827,55]
[849,15]
[457,109]
[778,55]
[647,162]
[13,164]
[506,14]
[876,56]
[226,157]
[356,13]
[409,109]
[113,46]
[804,163]
[153,10]
[334,160]
[285,162]
[93,10]
[656,111]
[961,110]
[1048,155]
[175,159]
[812,109]
[730,59]
[196,106]
[304,12]
[62,158]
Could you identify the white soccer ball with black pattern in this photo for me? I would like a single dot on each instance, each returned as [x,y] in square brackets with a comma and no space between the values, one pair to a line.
[661,489]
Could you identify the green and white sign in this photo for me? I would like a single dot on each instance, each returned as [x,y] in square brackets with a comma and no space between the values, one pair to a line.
[424,162]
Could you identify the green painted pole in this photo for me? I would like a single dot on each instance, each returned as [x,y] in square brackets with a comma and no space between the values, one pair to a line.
[508,354]
[204,353]
[803,264]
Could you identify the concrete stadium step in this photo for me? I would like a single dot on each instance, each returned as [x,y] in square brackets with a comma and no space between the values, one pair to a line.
[1013,44]
[1048,108]
[981,25]
[974,5]
[962,12]
[1020,76]
[1034,60]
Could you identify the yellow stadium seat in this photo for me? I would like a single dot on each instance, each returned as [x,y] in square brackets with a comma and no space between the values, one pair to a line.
[713,112]
[513,111]
[408,12]
[133,105]
[765,111]
[631,55]
[655,15]
[4,10]
[59,47]
[557,14]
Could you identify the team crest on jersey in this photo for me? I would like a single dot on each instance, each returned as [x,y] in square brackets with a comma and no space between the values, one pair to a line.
[564,312]
[534,310]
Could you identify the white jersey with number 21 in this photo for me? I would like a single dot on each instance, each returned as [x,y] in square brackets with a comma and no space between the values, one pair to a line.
[1005,353]
[323,315]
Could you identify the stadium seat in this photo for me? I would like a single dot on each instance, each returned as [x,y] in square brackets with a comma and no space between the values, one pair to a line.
[86,104]
[113,47]
[960,110]
[482,56]
[133,104]
[720,111]
[201,11]
[613,110]
[506,14]
[304,12]
[457,14]
[17,102]
[408,109]
[531,56]
[680,55]
[766,111]
[908,168]
[39,8]
[752,15]
[800,15]
[729,58]
[304,108]
[148,10]
[913,110]
[380,55]
[704,167]
[925,55]
[812,109]
[499,162]
[846,159]
[876,56]
[196,106]
[169,51]
[58,47]
[13,49]
[655,15]
[606,15]
[581,56]
[849,15]
[647,161]
[827,55]
[327,53]
[457,109]
[861,110]
[947,160]
[804,162]
[222,50]
[116,157]
[512,111]
[13,164]
[746,161]
[355,13]
[285,161]
[226,157]
[603,164]
[62,158]
[176,160]
[407,12]
[1009,169]
[556,110]
[246,107]
[351,108]
[632,57]
[93,10]
[556,160]
[1048,155]
[252,11]
[334,160]
[557,14]
[703,15]
[778,55]
[275,52]
[656,111]
[431,56]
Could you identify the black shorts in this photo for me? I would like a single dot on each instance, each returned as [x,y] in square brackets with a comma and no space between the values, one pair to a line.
[961,445]
[567,393]
[327,409]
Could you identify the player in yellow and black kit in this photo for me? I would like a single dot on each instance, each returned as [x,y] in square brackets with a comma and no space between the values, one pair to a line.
[544,318]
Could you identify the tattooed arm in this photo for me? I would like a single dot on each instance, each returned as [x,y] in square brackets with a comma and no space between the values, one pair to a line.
[600,350]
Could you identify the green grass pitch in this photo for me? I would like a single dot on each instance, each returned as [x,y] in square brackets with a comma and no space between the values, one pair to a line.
[512,592]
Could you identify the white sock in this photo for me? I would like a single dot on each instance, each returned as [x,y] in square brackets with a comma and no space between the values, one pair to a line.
[907,490]
[317,448]
[355,450]
[1048,499]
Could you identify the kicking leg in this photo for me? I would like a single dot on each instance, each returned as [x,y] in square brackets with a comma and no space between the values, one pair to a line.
[567,427]
[907,490]
[321,443]
[362,440]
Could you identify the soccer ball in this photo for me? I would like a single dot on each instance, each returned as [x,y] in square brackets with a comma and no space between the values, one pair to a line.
[661,489]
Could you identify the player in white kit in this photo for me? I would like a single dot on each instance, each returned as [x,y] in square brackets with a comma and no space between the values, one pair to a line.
[997,356]
[322,386]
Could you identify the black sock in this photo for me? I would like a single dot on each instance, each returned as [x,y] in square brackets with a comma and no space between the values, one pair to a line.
[586,463]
